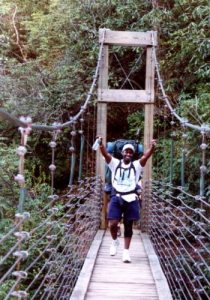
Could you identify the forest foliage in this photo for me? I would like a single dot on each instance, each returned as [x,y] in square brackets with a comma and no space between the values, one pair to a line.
[48,56]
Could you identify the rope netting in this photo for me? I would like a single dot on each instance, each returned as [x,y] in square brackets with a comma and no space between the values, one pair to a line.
[48,240]
[45,261]
[179,229]
[176,220]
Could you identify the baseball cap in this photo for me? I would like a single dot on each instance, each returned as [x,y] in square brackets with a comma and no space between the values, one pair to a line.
[128,146]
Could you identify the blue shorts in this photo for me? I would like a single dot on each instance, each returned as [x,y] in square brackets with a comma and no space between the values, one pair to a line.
[119,207]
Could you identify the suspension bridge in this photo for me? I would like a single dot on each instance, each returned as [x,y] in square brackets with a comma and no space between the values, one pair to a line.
[62,253]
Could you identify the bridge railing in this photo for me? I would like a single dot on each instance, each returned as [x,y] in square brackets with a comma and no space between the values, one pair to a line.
[179,229]
[48,248]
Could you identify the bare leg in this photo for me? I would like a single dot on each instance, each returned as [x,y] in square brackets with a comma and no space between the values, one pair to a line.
[113,228]
[118,230]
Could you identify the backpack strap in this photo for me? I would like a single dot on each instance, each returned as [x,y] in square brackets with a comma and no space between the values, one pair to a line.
[119,166]
[132,167]
[114,191]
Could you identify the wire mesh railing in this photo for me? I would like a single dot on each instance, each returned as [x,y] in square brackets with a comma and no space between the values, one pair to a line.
[47,248]
[46,256]
[179,229]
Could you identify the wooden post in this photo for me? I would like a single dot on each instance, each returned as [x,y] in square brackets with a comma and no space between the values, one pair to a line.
[148,136]
[102,126]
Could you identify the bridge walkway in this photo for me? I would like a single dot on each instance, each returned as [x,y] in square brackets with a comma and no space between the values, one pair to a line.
[107,278]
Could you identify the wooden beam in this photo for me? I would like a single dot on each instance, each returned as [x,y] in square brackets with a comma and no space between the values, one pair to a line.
[102,123]
[102,111]
[148,134]
[127,96]
[128,38]
[150,73]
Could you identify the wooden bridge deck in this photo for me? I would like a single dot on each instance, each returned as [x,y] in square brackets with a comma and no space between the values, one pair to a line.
[107,278]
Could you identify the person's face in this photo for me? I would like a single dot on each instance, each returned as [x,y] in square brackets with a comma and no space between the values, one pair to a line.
[127,156]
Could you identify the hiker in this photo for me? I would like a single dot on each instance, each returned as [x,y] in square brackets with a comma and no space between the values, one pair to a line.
[124,199]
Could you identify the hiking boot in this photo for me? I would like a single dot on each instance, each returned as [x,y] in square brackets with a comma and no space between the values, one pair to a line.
[113,247]
[126,256]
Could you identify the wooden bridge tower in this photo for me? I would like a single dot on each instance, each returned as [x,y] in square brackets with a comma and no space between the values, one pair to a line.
[146,97]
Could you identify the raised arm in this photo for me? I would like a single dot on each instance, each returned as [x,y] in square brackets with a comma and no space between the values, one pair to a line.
[105,154]
[148,153]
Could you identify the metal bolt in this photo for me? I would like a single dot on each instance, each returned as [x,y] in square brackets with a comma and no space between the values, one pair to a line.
[22,254]
[203,169]
[73,133]
[52,167]
[52,144]
[203,146]
[19,294]
[21,151]
[20,274]
[22,235]
[71,149]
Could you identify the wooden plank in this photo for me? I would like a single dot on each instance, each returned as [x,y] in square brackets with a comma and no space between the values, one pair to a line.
[126,96]
[87,269]
[136,258]
[158,275]
[123,289]
[127,38]
[92,296]
[118,279]
[112,279]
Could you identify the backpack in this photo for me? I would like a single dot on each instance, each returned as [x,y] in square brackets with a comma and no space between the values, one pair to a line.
[115,149]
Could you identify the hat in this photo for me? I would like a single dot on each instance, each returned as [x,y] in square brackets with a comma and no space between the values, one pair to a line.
[128,146]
